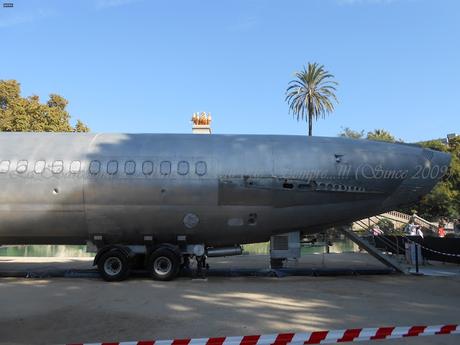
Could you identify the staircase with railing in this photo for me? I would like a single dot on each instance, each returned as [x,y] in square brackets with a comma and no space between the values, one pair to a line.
[389,258]
[366,240]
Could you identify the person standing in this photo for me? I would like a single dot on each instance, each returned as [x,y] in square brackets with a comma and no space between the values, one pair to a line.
[441,232]
[418,231]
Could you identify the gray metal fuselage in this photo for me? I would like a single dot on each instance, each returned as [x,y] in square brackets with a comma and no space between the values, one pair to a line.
[66,188]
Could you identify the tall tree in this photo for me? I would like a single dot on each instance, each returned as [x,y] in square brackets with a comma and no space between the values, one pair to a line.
[311,95]
[21,114]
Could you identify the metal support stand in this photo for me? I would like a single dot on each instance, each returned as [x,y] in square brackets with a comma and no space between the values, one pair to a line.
[201,267]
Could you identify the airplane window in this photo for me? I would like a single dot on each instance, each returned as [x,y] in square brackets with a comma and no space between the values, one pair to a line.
[130,167]
[21,167]
[147,168]
[94,167]
[182,168]
[57,167]
[39,167]
[112,167]
[75,167]
[200,168]
[165,168]
[4,166]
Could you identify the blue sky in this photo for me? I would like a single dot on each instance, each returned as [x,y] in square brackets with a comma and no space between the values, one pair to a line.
[146,66]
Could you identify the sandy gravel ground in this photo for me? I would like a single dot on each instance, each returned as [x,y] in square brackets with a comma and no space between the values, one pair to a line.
[64,310]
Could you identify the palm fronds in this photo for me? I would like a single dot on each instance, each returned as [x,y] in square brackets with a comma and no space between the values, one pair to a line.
[312,94]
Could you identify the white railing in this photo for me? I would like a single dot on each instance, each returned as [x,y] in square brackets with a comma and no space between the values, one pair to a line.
[401,217]
[398,215]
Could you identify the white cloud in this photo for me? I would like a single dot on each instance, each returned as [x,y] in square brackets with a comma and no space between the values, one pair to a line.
[10,18]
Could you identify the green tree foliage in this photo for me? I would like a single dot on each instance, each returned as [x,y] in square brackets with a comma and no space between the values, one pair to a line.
[437,145]
[352,134]
[381,135]
[311,95]
[386,225]
[81,127]
[19,114]
[376,134]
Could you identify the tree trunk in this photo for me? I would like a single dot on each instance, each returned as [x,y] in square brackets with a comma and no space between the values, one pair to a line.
[310,118]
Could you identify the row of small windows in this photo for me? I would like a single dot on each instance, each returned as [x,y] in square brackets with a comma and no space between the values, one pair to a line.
[183,167]
[57,167]
[95,167]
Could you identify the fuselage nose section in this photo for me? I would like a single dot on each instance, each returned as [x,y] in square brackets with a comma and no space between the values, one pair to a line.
[435,166]
[428,168]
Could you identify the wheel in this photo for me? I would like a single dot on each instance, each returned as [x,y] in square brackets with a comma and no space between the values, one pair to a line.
[113,265]
[163,264]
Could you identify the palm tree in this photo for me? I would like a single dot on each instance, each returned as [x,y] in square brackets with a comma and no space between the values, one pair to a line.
[311,93]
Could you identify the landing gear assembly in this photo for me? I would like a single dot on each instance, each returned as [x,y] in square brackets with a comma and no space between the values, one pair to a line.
[162,262]
[201,267]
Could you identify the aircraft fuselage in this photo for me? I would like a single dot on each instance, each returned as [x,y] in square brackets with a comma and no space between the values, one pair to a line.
[67,188]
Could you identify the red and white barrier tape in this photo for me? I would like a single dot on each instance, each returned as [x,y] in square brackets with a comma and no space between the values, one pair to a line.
[321,337]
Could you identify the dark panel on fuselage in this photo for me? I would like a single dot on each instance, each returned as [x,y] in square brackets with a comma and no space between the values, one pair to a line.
[246,190]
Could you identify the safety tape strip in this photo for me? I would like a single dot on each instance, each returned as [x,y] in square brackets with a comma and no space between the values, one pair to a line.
[319,337]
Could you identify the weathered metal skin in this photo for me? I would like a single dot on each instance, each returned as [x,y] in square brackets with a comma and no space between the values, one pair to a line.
[66,188]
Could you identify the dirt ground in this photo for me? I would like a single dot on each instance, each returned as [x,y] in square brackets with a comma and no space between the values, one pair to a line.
[69,310]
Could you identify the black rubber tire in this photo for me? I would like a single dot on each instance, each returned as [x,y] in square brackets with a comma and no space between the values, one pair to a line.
[114,260]
[167,260]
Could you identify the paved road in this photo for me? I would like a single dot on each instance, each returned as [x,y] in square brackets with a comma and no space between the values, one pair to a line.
[57,266]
